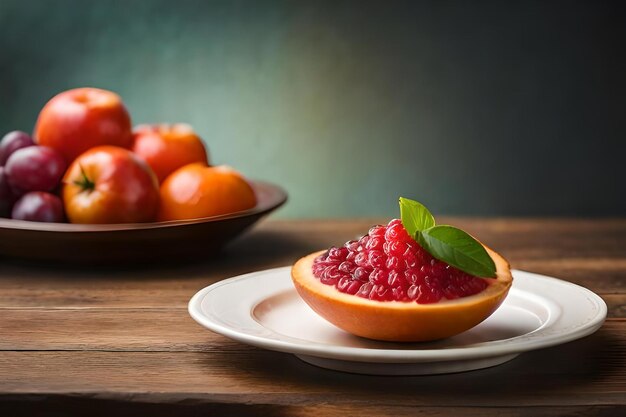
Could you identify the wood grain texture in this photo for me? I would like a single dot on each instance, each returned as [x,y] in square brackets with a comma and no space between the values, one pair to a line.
[239,373]
[100,341]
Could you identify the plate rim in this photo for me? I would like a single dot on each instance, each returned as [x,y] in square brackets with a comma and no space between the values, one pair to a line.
[362,354]
[278,198]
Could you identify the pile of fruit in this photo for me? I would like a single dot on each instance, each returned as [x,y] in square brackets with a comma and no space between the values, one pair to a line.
[85,164]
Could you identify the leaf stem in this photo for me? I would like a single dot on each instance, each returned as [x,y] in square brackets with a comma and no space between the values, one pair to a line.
[84,182]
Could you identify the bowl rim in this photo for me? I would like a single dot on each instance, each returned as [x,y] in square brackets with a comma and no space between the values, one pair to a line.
[269,197]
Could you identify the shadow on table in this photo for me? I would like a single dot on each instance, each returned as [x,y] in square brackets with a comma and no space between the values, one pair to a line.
[546,377]
[61,406]
[258,250]
[556,373]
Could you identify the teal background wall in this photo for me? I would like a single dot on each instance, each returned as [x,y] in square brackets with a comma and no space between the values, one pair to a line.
[478,108]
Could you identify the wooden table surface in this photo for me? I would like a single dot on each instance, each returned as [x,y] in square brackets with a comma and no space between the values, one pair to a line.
[99,341]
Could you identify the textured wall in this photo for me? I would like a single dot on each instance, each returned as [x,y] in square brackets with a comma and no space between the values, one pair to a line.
[472,107]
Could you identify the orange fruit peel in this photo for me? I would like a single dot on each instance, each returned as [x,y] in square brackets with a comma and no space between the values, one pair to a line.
[401,321]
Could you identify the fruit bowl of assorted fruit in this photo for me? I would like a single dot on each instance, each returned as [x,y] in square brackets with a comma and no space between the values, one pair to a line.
[87,187]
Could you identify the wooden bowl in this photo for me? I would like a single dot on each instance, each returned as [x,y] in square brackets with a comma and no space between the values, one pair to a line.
[136,242]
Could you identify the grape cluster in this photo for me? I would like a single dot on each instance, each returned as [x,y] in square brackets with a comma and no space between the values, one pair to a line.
[30,178]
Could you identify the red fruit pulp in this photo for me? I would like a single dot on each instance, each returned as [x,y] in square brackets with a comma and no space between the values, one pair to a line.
[389,265]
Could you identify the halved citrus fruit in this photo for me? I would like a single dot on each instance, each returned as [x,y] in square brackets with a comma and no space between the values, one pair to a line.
[386,287]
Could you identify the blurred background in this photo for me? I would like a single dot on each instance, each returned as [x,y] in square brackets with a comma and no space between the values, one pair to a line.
[473,108]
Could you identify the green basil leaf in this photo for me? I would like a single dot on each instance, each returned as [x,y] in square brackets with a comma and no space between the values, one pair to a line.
[415,217]
[457,248]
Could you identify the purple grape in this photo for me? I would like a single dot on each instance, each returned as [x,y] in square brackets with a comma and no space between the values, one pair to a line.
[36,168]
[38,206]
[11,142]
[6,195]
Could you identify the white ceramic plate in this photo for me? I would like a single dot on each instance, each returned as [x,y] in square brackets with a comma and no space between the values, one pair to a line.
[263,309]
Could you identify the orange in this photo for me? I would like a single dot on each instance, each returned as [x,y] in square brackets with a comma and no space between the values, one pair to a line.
[196,191]
[397,320]
[168,147]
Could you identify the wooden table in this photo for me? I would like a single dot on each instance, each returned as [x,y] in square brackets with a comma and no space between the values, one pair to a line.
[119,340]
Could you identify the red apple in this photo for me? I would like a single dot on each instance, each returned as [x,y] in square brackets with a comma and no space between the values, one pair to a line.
[77,120]
[108,184]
